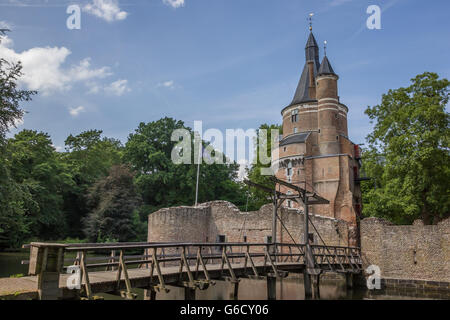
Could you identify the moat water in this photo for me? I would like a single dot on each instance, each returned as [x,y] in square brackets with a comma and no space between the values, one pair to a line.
[290,288]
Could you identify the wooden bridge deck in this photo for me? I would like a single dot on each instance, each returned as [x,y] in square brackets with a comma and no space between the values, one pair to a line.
[105,281]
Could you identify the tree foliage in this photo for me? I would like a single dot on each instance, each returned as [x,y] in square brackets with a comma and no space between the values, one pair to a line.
[35,166]
[258,197]
[11,96]
[408,155]
[163,183]
[13,196]
[89,157]
[114,201]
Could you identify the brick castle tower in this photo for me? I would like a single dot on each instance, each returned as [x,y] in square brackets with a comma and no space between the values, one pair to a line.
[315,151]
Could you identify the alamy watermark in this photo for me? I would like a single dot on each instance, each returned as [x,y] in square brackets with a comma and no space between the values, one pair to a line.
[374,20]
[374,279]
[73,282]
[74,20]
[240,144]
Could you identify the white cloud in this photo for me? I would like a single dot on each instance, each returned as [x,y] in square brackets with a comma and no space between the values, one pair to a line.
[5,25]
[94,88]
[17,123]
[44,71]
[336,3]
[6,41]
[84,72]
[118,88]
[75,112]
[167,84]
[174,3]
[58,148]
[107,10]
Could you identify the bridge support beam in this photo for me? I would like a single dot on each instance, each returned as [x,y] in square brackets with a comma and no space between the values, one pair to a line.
[189,294]
[316,286]
[46,261]
[307,282]
[271,288]
[233,292]
[349,280]
[149,295]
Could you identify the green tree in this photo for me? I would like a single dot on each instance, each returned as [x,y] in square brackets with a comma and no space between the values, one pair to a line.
[408,155]
[13,227]
[89,157]
[36,166]
[258,197]
[163,183]
[115,202]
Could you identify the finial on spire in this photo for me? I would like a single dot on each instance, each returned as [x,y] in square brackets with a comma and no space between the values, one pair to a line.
[325,47]
[311,15]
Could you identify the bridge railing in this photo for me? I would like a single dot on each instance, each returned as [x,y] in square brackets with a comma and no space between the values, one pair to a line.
[192,259]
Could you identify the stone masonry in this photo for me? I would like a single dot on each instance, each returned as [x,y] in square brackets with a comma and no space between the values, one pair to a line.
[416,252]
[210,220]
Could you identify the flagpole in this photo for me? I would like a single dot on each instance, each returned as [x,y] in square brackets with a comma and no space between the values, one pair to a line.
[200,151]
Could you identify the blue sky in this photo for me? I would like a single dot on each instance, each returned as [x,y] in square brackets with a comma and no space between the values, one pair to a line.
[230,63]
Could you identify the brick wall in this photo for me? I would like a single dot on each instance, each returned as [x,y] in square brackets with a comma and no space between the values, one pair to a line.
[206,222]
[408,252]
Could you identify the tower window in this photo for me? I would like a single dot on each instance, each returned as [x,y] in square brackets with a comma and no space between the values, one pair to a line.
[289,171]
[294,115]
[337,138]
[289,201]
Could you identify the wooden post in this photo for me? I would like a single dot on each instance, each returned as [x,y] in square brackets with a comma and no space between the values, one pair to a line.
[309,263]
[271,288]
[234,290]
[349,280]
[149,295]
[47,261]
[307,284]
[316,287]
[189,294]
[274,218]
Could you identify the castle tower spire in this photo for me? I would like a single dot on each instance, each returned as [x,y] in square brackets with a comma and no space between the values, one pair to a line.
[306,89]
[325,67]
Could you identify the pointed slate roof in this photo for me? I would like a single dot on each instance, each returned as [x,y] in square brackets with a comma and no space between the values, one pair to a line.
[312,49]
[311,54]
[295,138]
[325,67]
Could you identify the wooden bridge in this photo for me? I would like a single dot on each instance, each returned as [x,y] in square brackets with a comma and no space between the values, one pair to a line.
[84,270]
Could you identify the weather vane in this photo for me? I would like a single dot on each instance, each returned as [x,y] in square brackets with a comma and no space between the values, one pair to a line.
[325,47]
[310,19]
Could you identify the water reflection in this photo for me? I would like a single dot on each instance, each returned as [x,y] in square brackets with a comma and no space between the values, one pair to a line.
[290,288]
